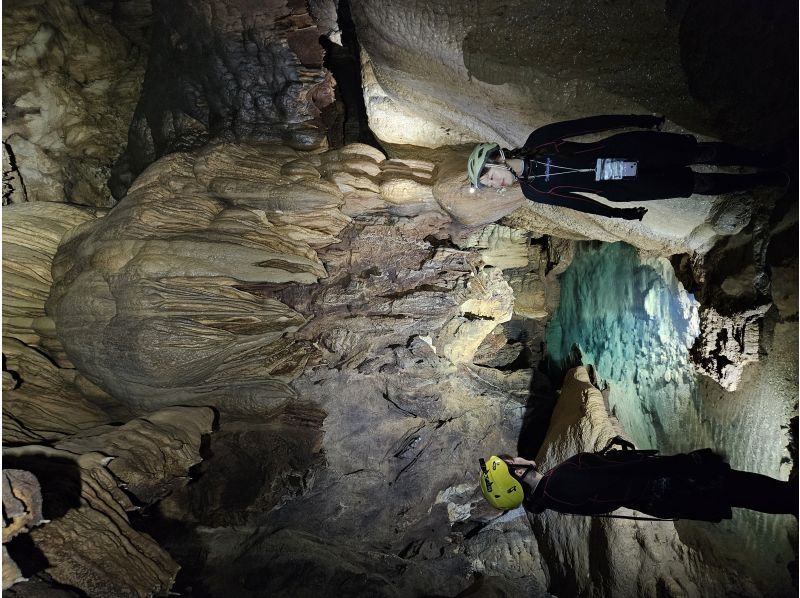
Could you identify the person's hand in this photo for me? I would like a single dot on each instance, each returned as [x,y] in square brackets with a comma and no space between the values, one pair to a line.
[625,445]
[632,213]
[659,123]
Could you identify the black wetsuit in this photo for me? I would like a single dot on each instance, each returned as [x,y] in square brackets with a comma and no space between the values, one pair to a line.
[697,485]
[662,170]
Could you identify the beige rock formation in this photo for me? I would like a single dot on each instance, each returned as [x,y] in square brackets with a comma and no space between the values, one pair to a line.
[497,72]
[31,235]
[90,481]
[195,230]
[727,344]
[71,83]
[45,398]
[443,73]
[643,558]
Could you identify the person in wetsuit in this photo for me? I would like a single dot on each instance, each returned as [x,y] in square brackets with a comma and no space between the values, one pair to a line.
[627,167]
[697,485]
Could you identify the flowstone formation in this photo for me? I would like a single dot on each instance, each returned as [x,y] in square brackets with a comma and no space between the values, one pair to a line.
[229,71]
[339,305]
[71,81]
[362,350]
[496,71]
[75,462]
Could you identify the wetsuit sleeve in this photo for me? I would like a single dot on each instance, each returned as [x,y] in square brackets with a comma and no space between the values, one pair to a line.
[592,124]
[580,203]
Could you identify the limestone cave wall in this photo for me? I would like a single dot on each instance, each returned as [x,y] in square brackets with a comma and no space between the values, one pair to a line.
[242,357]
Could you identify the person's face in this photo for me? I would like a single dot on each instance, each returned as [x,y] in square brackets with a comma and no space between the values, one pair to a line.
[497,177]
[524,464]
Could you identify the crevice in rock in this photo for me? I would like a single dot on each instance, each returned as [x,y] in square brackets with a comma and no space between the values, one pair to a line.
[398,407]
[347,117]
[24,552]
[439,243]
[792,446]
[9,177]
[58,477]
[475,317]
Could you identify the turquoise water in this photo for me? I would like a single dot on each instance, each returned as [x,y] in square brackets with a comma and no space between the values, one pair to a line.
[631,318]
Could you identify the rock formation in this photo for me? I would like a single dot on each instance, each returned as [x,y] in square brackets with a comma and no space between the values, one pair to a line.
[70,84]
[84,486]
[497,71]
[353,324]
[228,71]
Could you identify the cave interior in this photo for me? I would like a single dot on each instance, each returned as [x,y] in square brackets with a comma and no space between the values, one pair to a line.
[258,329]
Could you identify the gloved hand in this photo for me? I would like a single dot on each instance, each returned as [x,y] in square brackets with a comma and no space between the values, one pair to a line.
[631,213]
[625,445]
[619,441]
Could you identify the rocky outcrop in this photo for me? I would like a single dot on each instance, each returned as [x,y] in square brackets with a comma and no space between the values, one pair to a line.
[70,85]
[228,217]
[496,72]
[45,398]
[84,486]
[228,71]
[337,268]
[623,557]
[727,344]
[31,236]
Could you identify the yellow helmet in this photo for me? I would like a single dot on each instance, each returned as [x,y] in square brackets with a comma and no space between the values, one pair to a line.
[499,487]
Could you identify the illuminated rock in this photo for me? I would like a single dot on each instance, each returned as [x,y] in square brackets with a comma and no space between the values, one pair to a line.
[194,232]
[71,81]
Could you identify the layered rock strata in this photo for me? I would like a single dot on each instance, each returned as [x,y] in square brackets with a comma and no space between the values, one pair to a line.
[45,397]
[73,500]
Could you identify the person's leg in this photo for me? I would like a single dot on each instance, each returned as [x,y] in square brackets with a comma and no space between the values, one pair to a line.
[758,492]
[726,154]
[706,183]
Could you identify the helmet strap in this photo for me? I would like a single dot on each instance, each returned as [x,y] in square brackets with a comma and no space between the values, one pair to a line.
[520,478]
[505,163]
